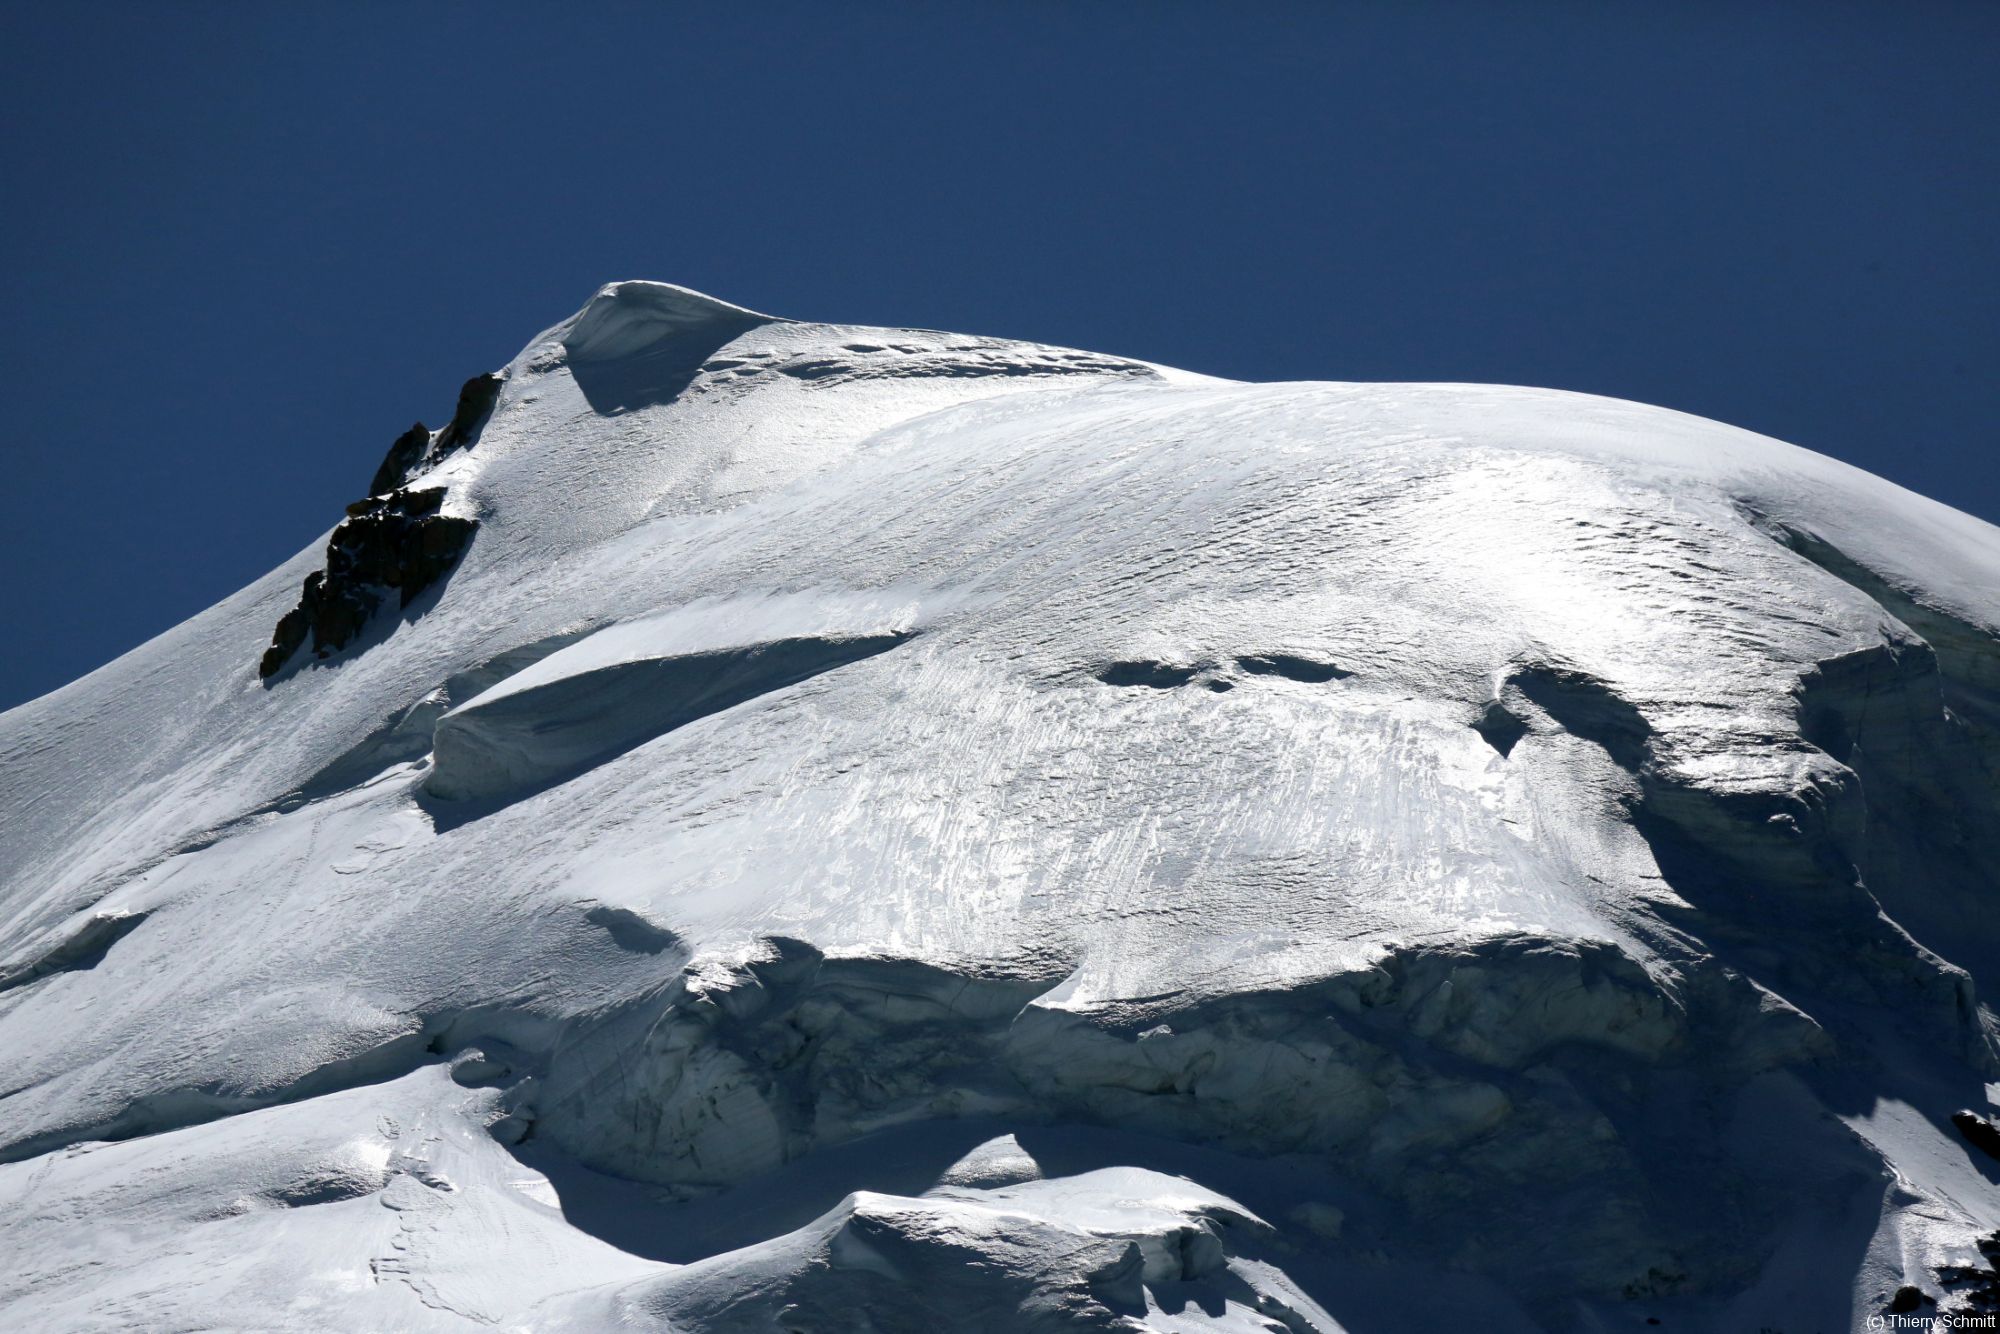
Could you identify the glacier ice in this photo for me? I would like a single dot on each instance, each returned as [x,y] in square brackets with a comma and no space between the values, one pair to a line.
[887,829]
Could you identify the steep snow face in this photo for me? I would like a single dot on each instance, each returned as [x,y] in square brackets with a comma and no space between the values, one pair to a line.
[883,829]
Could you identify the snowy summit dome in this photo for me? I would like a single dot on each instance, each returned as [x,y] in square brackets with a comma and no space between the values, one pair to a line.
[764,825]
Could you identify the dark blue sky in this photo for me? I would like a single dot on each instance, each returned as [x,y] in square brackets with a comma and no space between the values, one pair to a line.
[249,244]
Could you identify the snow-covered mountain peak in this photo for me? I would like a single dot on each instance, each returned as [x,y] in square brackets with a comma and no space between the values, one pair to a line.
[1528,857]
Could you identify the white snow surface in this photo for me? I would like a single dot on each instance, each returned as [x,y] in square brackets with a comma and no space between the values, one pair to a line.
[892,830]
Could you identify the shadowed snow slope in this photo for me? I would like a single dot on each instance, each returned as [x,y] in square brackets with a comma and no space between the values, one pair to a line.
[892,830]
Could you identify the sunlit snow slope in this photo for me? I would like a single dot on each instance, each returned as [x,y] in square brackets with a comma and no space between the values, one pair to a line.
[882,830]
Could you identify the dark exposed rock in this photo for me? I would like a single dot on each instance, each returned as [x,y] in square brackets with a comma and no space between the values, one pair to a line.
[401,461]
[475,404]
[394,541]
[1908,1299]
[397,544]
[291,633]
[1979,1132]
[416,451]
[1972,1287]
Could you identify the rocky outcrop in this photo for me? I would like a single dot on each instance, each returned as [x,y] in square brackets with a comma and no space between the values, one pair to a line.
[1908,1299]
[398,544]
[400,463]
[393,541]
[1979,1132]
[1976,1287]
[416,451]
[476,398]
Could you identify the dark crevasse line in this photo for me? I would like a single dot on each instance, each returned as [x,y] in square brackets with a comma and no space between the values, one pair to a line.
[179,1108]
[408,734]
[80,951]
[446,1035]
[494,754]
[432,1041]
[1587,707]
[1152,675]
[1292,667]
[1127,673]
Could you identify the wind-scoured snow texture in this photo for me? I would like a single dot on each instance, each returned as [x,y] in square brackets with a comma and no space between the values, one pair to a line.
[892,830]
